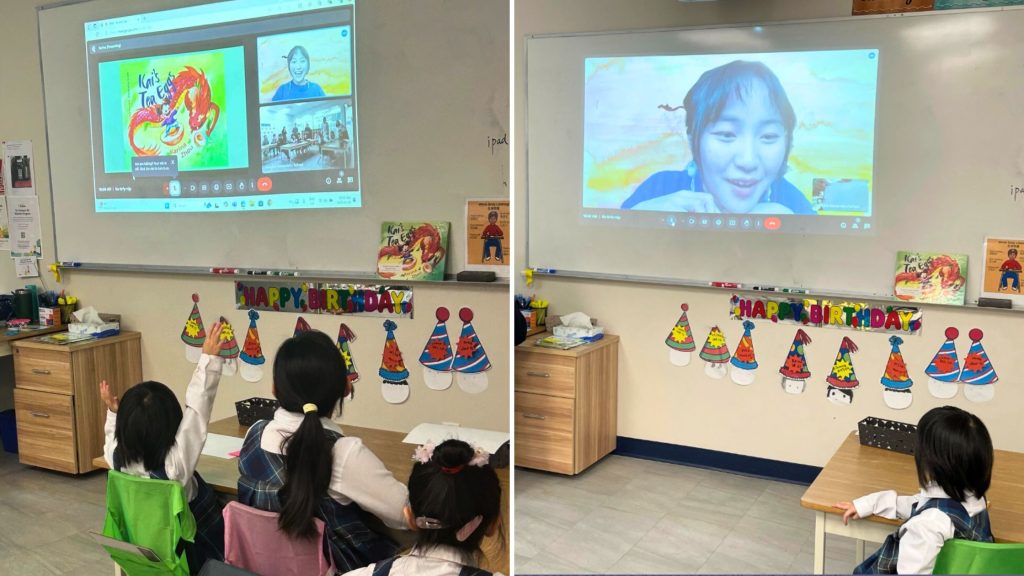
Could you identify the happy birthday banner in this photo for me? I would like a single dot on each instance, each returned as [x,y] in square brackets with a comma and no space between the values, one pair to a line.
[850,315]
[325,298]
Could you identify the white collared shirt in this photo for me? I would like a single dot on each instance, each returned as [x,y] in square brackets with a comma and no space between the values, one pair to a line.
[434,561]
[183,456]
[358,475]
[922,536]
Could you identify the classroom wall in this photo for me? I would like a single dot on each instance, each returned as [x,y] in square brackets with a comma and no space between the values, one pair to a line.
[158,305]
[664,403]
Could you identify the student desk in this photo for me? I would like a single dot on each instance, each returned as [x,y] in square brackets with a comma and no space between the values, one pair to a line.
[856,470]
[222,474]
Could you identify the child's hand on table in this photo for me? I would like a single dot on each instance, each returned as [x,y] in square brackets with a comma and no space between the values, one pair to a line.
[849,511]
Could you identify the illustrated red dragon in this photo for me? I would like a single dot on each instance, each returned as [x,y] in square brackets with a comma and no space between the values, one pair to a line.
[939,274]
[424,239]
[191,88]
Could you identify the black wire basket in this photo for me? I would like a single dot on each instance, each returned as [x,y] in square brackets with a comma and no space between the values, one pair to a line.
[888,434]
[252,410]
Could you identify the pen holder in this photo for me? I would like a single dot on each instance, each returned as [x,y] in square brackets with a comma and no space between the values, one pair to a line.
[22,304]
[540,315]
[65,312]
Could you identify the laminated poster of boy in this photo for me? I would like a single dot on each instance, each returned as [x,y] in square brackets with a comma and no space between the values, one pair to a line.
[1010,269]
[493,234]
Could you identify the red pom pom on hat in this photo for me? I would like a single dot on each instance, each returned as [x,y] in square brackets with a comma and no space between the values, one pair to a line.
[466,315]
[976,334]
[442,314]
[195,297]
[685,307]
[952,333]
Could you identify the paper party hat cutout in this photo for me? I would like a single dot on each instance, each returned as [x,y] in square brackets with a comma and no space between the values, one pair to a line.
[680,338]
[977,369]
[301,326]
[346,335]
[437,353]
[470,357]
[842,375]
[744,357]
[252,352]
[392,367]
[194,333]
[795,365]
[715,350]
[945,367]
[896,376]
[228,344]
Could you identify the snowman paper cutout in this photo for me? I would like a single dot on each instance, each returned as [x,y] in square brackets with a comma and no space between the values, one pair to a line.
[843,380]
[346,335]
[194,333]
[471,362]
[251,356]
[978,375]
[395,383]
[715,354]
[437,357]
[228,348]
[743,365]
[680,340]
[944,369]
[794,370]
[896,380]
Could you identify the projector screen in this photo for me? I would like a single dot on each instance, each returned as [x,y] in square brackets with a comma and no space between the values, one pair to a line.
[241,105]
[800,155]
[239,134]
[683,140]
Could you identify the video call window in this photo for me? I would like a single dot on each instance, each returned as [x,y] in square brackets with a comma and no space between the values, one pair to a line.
[239,105]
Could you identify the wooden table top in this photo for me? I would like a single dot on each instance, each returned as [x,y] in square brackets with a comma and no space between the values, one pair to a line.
[856,470]
[4,338]
[222,475]
[529,345]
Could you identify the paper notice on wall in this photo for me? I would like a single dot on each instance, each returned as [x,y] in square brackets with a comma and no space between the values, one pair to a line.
[27,267]
[19,168]
[2,188]
[5,230]
[23,214]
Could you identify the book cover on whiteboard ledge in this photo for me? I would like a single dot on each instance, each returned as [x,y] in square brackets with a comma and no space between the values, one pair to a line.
[413,250]
[931,277]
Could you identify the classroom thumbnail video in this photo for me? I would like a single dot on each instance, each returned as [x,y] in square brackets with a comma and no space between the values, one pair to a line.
[304,65]
[307,136]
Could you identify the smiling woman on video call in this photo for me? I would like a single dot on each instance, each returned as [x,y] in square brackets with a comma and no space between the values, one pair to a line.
[299,87]
[739,123]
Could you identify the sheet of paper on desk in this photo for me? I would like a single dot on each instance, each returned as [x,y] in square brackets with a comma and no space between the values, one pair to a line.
[436,433]
[221,446]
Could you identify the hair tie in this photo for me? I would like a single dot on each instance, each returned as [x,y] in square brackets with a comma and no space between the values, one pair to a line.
[428,523]
[470,527]
[452,469]
[307,408]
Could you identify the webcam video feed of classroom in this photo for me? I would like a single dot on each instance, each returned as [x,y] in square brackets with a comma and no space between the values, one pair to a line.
[233,106]
[780,142]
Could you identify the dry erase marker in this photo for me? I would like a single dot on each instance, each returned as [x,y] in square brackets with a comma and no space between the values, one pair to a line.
[71,264]
[766,288]
[223,270]
[545,270]
[725,285]
[795,290]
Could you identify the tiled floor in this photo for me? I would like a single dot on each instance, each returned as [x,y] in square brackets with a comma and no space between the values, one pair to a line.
[45,519]
[626,515]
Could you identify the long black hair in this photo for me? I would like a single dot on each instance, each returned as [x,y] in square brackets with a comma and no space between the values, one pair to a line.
[447,493]
[954,451]
[308,369]
[148,417]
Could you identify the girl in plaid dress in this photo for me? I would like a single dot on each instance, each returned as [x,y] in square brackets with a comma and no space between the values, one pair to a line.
[148,435]
[954,468]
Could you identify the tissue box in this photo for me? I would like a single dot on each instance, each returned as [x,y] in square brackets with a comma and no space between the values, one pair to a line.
[577,332]
[98,330]
[49,316]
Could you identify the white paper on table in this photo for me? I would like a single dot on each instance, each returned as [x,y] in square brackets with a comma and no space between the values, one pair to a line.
[19,168]
[436,433]
[23,212]
[5,230]
[27,267]
[221,446]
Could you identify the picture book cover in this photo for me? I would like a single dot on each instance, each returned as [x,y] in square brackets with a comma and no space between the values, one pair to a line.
[931,277]
[1001,275]
[413,250]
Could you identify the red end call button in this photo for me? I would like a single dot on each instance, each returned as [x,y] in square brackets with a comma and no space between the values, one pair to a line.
[264,184]
[772,223]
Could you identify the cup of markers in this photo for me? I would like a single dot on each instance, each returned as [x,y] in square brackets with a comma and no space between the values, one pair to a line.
[67,305]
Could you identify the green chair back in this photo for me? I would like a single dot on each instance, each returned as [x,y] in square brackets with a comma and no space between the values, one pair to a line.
[967,557]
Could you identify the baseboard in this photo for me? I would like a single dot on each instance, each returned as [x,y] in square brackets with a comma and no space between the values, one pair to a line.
[725,461]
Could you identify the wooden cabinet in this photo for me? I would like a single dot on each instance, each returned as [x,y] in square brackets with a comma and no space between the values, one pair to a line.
[57,400]
[566,405]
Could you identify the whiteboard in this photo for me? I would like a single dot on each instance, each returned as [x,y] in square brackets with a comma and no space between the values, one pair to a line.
[433,83]
[948,155]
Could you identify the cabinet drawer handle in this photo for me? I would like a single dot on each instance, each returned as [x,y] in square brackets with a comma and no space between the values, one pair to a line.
[40,371]
[538,374]
[40,415]
[534,416]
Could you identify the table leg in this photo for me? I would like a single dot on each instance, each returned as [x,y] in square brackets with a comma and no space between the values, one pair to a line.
[819,542]
[858,551]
